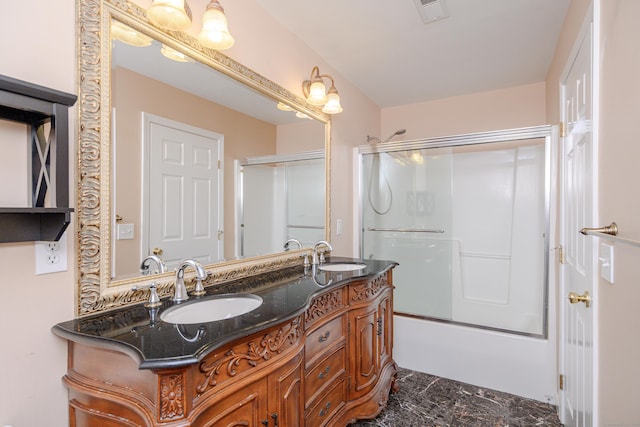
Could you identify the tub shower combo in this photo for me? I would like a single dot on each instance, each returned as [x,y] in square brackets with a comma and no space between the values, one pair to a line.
[467,219]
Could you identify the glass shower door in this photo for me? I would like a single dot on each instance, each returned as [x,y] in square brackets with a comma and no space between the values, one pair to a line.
[467,225]
[407,218]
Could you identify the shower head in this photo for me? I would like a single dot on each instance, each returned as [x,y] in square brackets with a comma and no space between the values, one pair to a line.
[377,140]
[398,132]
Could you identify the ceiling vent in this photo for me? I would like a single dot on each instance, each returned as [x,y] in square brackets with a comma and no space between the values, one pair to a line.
[431,10]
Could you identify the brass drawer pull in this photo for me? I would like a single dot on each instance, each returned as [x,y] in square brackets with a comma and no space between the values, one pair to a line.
[322,375]
[325,410]
[323,338]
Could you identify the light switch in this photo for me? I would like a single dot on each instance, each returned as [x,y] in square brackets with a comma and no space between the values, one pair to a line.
[125,231]
[606,262]
[338,227]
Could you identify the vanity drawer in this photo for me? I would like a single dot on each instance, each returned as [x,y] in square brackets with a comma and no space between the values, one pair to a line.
[326,407]
[325,373]
[323,338]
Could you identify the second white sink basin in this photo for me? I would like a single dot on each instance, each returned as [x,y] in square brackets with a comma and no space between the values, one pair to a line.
[342,266]
[212,309]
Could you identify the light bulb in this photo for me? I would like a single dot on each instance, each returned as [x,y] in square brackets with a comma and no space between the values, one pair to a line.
[215,29]
[317,93]
[333,102]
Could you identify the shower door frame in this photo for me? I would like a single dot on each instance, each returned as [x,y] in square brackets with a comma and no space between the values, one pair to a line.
[548,132]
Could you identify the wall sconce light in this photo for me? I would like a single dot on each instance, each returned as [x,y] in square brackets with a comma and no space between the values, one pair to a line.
[316,93]
[215,29]
[176,15]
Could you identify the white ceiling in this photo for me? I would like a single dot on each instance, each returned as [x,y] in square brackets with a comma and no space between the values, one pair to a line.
[384,48]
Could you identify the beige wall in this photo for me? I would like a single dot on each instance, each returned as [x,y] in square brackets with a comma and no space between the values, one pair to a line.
[515,107]
[37,41]
[619,200]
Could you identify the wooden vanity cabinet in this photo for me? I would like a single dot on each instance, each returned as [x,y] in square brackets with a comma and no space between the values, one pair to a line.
[371,343]
[327,367]
[273,400]
[357,366]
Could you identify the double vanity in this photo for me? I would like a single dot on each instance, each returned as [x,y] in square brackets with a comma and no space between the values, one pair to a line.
[291,347]
[270,342]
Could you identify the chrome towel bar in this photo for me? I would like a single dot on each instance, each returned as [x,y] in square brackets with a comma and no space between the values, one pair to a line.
[408,230]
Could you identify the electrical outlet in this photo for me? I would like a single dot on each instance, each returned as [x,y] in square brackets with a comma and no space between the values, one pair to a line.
[51,257]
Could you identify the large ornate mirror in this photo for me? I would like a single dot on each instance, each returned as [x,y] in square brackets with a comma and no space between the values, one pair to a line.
[135,99]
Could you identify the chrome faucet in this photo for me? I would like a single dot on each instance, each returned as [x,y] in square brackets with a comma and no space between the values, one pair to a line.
[296,241]
[319,259]
[145,266]
[181,290]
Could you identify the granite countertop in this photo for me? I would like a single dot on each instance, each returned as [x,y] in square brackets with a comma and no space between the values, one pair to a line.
[139,331]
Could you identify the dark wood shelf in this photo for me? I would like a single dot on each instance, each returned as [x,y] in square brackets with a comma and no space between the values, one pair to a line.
[33,224]
[38,106]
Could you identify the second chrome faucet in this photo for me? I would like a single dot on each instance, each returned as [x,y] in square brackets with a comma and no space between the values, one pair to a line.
[318,256]
[180,293]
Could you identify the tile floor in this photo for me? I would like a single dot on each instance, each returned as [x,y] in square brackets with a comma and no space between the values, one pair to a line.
[428,401]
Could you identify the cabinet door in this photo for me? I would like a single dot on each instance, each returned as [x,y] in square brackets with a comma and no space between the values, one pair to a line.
[246,407]
[286,402]
[385,328]
[364,357]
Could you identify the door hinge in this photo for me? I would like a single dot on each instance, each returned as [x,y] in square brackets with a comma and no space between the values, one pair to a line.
[563,130]
[218,164]
[561,254]
[561,382]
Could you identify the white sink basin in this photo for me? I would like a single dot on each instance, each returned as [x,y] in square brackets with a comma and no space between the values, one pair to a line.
[342,266]
[212,309]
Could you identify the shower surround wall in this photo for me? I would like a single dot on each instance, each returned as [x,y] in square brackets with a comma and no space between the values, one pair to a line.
[279,201]
[468,225]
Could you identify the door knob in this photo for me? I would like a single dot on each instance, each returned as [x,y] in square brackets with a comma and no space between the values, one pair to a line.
[157,251]
[575,298]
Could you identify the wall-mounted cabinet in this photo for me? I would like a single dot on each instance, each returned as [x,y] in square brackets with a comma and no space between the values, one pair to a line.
[45,112]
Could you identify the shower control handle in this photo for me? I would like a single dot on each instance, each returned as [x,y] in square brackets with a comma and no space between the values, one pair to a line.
[574,298]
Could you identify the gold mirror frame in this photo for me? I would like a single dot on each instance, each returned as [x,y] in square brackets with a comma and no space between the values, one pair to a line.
[96,292]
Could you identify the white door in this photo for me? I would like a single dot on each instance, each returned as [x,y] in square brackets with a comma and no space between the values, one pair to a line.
[183,215]
[577,344]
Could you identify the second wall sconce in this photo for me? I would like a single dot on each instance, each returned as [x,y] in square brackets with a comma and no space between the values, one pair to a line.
[176,15]
[316,93]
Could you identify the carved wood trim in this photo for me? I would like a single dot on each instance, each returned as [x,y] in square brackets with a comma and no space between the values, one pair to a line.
[369,289]
[172,396]
[323,305]
[252,353]
[125,396]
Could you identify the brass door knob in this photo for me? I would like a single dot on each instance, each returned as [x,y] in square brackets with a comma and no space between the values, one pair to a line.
[575,298]
[157,251]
